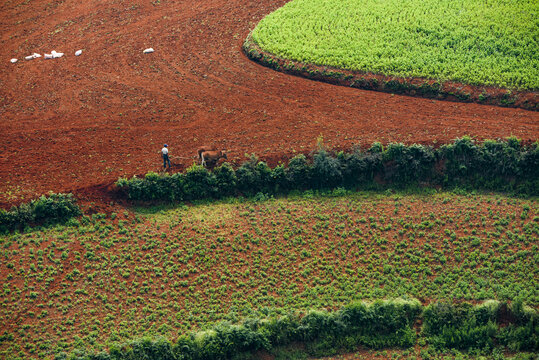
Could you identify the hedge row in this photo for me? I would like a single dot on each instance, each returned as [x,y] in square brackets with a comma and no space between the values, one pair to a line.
[49,209]
[382,324]
[508,166]
[464,326]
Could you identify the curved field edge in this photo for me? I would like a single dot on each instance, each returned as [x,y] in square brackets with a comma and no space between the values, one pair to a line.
[420,87]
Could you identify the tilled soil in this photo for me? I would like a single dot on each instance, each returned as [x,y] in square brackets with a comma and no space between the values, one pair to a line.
[76,124]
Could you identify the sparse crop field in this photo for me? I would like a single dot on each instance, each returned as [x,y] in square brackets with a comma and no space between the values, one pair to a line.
[469,41]
[166,271]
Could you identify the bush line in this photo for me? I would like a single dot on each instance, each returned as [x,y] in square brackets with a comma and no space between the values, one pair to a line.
[382,324]
[51,209]
[427,88]
[507,166]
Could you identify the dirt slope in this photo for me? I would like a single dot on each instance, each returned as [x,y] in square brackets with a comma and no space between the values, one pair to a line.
[81,122]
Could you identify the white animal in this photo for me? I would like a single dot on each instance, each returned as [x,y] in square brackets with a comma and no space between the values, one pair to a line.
[13,61]
[56,54]
[32,57]
[78,52]
[147,51]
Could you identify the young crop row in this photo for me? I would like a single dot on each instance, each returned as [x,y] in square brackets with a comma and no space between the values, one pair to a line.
[475,42]
[165,272]
[494,165]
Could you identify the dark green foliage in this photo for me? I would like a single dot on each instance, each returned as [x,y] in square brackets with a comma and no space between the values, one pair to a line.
[279,180]
[523,335]
[298,172]
[506,166]
[408,164]
[283,330]
[225,179]
[199,183]
[359,168]
[529,161]
[323,333]
[51,209]
[469,335]
[326,170]
[464,326]
[378,325]
[254,176]
[460,158]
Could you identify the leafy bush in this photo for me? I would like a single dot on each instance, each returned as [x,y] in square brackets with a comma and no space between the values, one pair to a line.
[225,179]
[326,170]
[523,335]
[464,326]
[408,164]
[298,172]
[199,183]
[50,209]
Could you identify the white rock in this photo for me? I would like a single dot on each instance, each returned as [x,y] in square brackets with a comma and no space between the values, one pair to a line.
[56,54]
[36,55]
[147,51]
[29,57]
[48,56]
[13,61]
[78,52]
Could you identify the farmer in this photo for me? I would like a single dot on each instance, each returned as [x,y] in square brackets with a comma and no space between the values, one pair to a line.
[166,160]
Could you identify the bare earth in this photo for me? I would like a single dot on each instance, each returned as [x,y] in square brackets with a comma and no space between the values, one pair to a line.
[76,124]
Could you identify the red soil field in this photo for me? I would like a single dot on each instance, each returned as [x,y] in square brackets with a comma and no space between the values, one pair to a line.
[76,124]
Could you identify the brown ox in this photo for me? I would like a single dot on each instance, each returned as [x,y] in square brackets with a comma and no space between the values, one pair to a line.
[210,158]
[205,148]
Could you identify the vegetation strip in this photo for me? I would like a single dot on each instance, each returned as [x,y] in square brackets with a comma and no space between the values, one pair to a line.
[51,209]
[378,325]
[494,165]
[477,43]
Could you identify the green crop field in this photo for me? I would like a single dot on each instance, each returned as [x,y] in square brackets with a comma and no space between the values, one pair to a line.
[492,42]
[105,279]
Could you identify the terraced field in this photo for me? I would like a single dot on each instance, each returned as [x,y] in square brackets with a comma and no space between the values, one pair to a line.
[164,271]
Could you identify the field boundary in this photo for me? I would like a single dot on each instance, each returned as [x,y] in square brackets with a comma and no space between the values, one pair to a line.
[508,166]
[381,324]
[417,87]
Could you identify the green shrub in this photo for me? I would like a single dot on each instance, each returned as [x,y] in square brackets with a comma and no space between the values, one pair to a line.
[279,180]
[225,180]
[199,183]
[326,170]
[298,173]
[408,164]
[51,209]
[250,180]
[469,335]
[460,158]
[464,326]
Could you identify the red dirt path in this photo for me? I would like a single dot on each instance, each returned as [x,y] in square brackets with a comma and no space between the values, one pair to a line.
[78,123]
